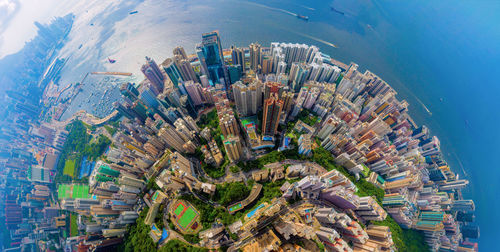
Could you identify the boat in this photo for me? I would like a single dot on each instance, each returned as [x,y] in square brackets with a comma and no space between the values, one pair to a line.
[80,46]
[111,60]
[339,12]
[133,12]
[306,18]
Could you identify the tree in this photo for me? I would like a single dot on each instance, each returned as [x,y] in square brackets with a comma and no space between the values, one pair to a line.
[176,245]
[231,192]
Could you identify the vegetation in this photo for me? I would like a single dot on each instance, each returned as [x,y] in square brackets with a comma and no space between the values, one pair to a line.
[365,188]
[232,235]
[78,144]
[339,79]
[271,190]
[159,217]
[215,172]
[258,164]
[320,245]
[307,117]
[152,184]
[231,192]
[191,238]
[404,239]
[234,169]
[211,121]
[137,236]
[176,245]
[73,225]
[208,213]
[69,167]
[110,130]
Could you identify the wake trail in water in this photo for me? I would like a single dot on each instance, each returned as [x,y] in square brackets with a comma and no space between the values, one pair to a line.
[423,105]
[305,7]
[272,8]
[460,163]
[315,39]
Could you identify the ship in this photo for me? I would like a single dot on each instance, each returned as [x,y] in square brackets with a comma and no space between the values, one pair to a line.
[339,12]
[111,60]
[133,12]
[306,18]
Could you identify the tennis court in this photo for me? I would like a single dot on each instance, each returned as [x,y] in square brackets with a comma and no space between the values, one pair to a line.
[187,217]
[235,207]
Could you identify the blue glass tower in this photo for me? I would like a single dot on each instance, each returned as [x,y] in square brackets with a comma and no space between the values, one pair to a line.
[211,49]
[172,71]
[149,98]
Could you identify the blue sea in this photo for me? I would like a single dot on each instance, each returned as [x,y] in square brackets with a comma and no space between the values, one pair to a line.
[440,56]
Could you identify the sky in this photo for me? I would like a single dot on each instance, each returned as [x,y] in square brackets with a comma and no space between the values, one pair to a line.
[17,19]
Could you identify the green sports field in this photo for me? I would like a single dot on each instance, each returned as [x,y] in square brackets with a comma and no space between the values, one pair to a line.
[69,167]
[179,210]
[235,207]
[65,191]
[187,217]
[80,191]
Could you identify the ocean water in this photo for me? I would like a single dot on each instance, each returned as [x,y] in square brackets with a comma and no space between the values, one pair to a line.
[440,56]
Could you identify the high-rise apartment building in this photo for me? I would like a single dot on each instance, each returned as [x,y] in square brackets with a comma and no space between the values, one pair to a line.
[194,91]
[273,87]
[271,116]
[238,57]
[153,74]
[171,137]
[255,57]
[179,50]
[233,147]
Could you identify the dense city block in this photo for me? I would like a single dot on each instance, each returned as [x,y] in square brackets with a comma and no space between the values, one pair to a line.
[258,148]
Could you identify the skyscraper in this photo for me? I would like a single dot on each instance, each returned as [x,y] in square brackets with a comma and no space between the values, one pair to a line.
[233,147]
[171,137]
[248,99]
[255,57]
[153,74]
[194,91]
[272,112]
[185,68]
[272,87]
[128,90]
[179,50]
[238,57]
[213,57]
[240,97]
[172,71]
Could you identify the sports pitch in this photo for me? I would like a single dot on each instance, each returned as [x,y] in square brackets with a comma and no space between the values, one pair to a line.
[185,217]
[65,191]
[69,167]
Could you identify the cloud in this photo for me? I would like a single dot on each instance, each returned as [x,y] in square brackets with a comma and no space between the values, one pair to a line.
[8,9]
